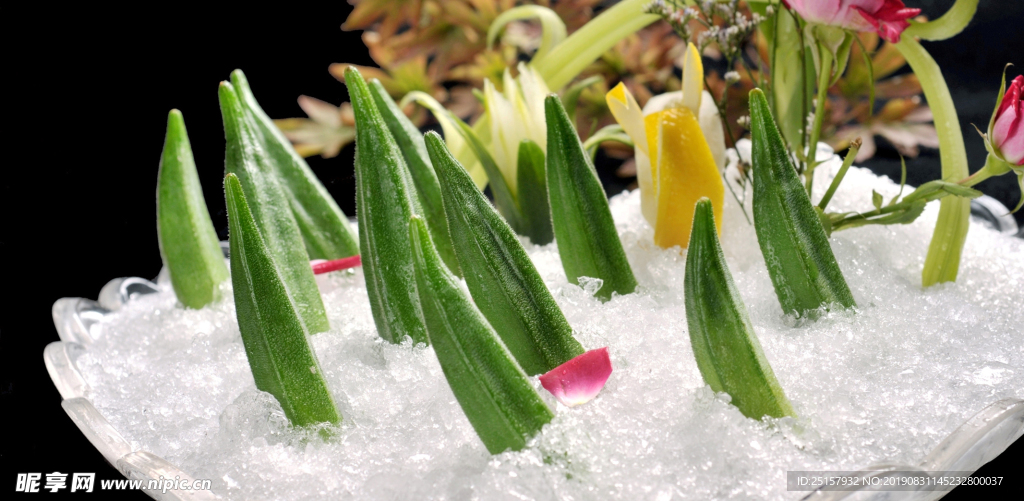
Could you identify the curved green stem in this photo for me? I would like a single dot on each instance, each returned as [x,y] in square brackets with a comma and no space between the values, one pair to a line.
[949,25]
[567,59]
[943,260]
[552,27]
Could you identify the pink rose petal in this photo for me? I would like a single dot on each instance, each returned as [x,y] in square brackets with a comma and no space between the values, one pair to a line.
[891,19]
[323,266]
[886,17]
[579,380]
[1008,132]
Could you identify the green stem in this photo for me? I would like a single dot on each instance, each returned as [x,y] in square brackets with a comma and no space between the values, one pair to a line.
[847,162]
[583,47]
[824,76]
[800,154]
[949,25]
[977,177]
[943,260]
[906,203]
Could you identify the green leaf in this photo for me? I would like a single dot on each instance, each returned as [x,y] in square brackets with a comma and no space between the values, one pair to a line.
[572,95]
[903,180]
[842,58]
[492,389]
[959,190]
[792,239]
[385,200]
[325,229]
[876,199]
[905,216]
[728,353]
[588,243]
[995,111]
[273,332]
[499,274]
[531,177]
[188,242]
[788,79]
[870,65]
[258,175]
[613,132]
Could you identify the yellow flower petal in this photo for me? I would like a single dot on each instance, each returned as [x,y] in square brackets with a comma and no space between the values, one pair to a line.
[683,170]
[693,79]
[627,112]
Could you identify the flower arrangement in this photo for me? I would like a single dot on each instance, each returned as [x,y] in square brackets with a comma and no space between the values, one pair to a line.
[446,266]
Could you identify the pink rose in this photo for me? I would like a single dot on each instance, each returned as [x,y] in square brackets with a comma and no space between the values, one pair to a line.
[888,18]
[1008,130]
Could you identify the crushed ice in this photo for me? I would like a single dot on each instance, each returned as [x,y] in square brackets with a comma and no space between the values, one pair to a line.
[886,383]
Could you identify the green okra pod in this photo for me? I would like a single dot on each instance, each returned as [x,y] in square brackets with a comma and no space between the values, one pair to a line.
[410,142]
[247,159]
[504,200]
[188,243]
[531,174]
[796,250]
[587,240]
[385,200]
[325,229]
[728,353]
[492,389]
[499,274]
[273,331]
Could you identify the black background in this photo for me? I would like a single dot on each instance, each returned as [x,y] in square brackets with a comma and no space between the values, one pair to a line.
[86,93]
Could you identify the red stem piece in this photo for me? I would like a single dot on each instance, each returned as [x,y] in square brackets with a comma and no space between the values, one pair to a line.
[321,266]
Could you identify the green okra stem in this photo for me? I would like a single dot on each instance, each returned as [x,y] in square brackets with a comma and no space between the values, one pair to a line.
[325,229]
[728,353]
[410,142]
[273,331]
[790,233]
[385,200]
[588,242]
[248,159]
[493,391]
[499,274]
[188,242]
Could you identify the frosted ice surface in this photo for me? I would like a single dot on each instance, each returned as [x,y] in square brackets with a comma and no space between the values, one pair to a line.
[884,384]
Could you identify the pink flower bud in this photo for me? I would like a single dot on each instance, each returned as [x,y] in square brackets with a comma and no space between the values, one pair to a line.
[1008,131]
[888,18]
[579,380]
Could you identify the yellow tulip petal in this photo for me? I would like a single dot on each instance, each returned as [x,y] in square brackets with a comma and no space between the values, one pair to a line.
[683,170]
[627,112]
[693,79]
